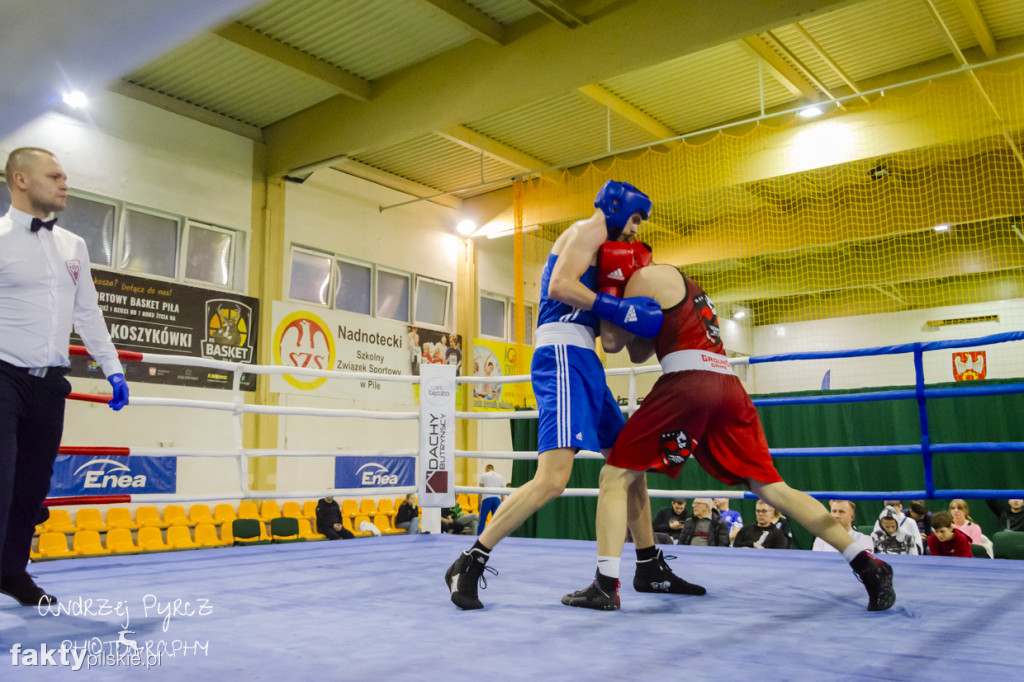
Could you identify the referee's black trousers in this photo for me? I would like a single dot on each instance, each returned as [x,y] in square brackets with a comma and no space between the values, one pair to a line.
[31,423]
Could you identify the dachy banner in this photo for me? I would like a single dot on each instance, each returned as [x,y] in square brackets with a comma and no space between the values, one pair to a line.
[75,475]
[151,316]
[374,472]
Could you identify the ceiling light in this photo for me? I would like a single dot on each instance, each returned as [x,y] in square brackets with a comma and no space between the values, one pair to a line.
[941,228]
[76,99]
[810,112]
[739,314]
[466,227]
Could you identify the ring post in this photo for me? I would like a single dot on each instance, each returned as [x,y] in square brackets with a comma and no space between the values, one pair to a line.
[922,410]
[436,470]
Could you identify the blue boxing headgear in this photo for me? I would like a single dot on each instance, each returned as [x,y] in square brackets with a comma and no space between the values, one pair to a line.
[619,201]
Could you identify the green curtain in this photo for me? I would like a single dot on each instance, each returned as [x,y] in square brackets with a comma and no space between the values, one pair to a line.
[951,420]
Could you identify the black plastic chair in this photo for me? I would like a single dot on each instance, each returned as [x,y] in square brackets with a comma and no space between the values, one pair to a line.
[1008,544]
[979,552]
[248,532]
[284,529]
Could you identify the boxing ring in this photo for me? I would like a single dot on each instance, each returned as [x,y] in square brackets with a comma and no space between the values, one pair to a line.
[377,607]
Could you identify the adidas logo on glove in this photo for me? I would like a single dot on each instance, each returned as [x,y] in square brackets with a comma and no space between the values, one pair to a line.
[630,315]
[616,274]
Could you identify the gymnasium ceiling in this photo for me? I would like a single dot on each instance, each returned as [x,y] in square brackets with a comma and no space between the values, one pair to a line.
[456,96]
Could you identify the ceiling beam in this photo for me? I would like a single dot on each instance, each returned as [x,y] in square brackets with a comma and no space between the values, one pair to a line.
[395,182]
[470,139]
[350,86]
[478,79]
[476,21]
[975,19]
[827,58]
[778,67]
[181,108]
[556,11]
[625,110]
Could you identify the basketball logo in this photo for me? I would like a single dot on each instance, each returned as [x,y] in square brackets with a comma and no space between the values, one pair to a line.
[227,330]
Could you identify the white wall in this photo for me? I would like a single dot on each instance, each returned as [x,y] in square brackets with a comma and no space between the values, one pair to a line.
[133,152]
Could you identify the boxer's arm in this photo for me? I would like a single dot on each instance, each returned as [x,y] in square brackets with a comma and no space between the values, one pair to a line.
[577,254]
[614,338]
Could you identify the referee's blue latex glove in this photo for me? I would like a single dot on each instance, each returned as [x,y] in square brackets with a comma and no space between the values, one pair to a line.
[120,387]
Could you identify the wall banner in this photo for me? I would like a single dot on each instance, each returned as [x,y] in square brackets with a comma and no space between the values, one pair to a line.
[497,358]
[347,342]
[151,316]
[113,475]
[436,483]
[374,472]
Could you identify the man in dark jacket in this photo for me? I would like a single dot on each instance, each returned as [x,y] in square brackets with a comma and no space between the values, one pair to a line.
[670,519]
[1010,513]
[763,534]
[705,527]
[328,520]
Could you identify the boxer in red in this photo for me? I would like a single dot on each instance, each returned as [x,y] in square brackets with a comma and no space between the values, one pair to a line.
[699,408]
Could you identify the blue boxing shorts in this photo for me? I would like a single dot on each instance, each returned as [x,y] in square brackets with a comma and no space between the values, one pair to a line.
[577,409]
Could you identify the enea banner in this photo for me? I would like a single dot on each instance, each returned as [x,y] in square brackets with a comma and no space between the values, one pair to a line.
[497,359]
[75,475]
[436,483]
[340,341]
[374,472]
[151,316]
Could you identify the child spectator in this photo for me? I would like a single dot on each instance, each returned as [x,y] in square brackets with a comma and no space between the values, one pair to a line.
[962,520]
[892,538]
[923,518]
[946,540]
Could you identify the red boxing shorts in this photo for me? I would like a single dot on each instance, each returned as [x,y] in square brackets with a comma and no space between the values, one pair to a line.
[706,414]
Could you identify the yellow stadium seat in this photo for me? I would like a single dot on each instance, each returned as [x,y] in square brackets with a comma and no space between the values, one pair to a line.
[347,523]
[200,513]
[120,517]
[368,507]
[180,537]
[226,536]
[462,499]
[206,536]
[59,522]
[89,519]
[269,511]
[88,542]
[306,532]
[151,539]
[383,524]
[387,509]
[223,513]
[291,510]
[119,540]
[174,515]
[148,517]
[349,509]
[309,510]
[248,510]
[53,545]
[355,527]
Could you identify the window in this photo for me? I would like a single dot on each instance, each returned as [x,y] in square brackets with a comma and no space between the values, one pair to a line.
[353,289]
[5,197]
[432,302]
[493,316]
[210,256]
[95,222]
[150,244]
[311,277]
[392,295]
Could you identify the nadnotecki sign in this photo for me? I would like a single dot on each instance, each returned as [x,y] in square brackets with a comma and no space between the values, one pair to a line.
[374,472]
[149,316]
[115,475]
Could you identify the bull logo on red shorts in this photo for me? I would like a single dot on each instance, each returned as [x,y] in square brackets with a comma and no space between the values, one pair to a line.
[708,317]
[675,447]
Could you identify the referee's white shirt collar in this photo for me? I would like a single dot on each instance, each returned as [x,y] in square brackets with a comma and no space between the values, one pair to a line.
[20,217]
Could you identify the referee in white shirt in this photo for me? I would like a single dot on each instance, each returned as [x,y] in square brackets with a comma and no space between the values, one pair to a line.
[45,287]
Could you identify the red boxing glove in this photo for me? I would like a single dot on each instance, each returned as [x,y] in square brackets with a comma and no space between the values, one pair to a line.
[616,263]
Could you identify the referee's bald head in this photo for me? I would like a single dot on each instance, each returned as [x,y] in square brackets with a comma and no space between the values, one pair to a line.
[21,160]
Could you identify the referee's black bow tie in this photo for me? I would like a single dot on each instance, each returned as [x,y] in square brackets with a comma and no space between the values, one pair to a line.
[48,224]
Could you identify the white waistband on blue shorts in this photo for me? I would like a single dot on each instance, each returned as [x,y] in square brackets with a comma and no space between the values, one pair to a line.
[566,333]
[682,360]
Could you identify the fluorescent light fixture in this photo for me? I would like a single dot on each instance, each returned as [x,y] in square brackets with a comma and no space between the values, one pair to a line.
[466,227]
[76,99]
[810,112]
[739,314]
[941,228]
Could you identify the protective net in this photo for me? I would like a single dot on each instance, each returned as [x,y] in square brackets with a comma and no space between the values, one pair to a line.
[888,221]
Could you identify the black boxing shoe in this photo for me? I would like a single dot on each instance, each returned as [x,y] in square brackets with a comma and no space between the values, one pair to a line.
[25,590]
[593,596]
[876,575]
[462,578]
[654,575]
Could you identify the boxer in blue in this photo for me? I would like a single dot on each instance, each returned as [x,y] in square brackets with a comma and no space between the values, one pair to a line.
[577,409]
